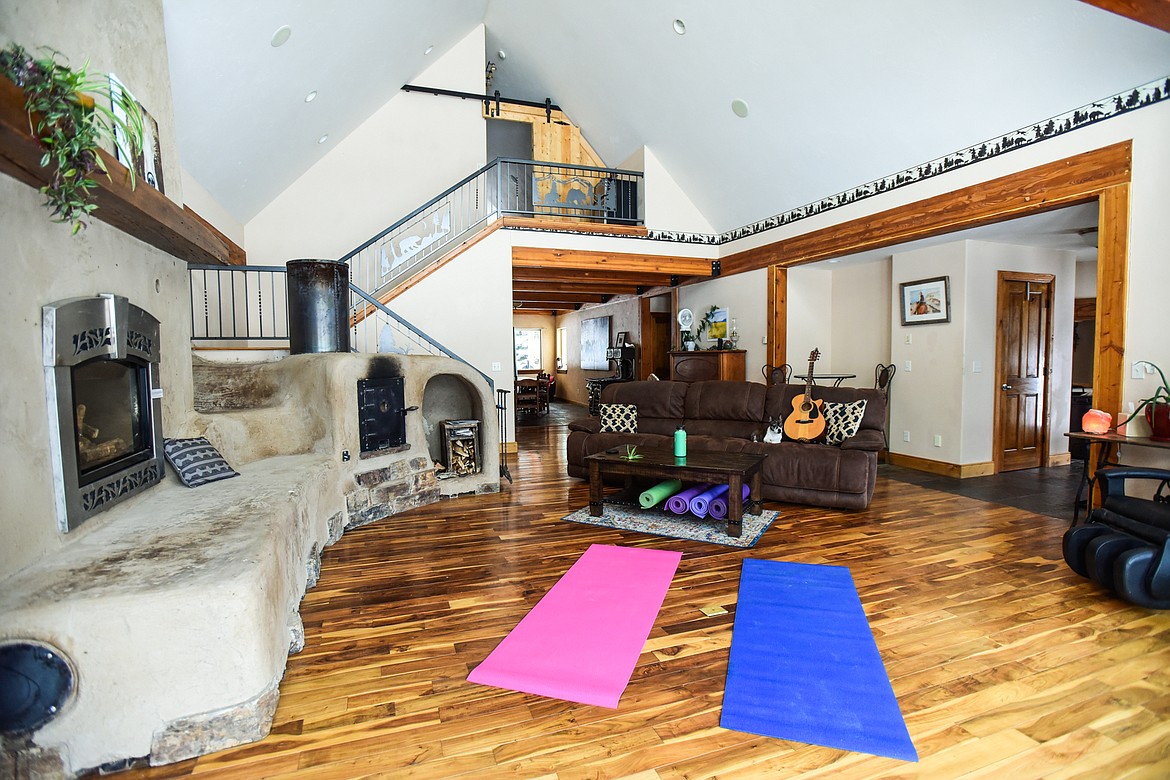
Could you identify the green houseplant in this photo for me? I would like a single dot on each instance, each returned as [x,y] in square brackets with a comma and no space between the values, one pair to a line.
[72,114]
[1157,406]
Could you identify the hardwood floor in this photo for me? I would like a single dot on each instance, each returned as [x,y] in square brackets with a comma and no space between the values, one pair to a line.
[1005,663]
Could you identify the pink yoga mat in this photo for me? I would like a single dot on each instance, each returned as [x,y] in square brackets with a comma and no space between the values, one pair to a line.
[718,507]
[582,640]
[680,503]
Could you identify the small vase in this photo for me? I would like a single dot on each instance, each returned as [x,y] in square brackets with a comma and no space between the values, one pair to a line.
[1158,416]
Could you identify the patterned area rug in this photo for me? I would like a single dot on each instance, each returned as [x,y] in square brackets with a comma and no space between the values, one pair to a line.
[659,523]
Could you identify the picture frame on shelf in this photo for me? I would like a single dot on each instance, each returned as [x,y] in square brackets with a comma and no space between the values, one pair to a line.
[620,340]
[925,301]
[147,162]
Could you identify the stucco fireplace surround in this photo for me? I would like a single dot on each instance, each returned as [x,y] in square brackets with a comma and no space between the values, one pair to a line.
[177,608]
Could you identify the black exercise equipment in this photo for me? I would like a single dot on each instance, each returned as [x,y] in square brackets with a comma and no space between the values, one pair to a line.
[1125,544]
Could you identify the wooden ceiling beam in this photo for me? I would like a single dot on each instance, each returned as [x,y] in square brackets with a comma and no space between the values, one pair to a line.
[576,259]
[1155,13]
[589,275]
[609,288]
[1044,188]
[559,297]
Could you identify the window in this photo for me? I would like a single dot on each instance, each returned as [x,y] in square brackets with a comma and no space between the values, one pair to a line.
[526,342]
[562,337]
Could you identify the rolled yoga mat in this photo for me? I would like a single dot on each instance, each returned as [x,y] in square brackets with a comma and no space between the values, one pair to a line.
[680,503]
[662,490]
[719,506]
[701,503]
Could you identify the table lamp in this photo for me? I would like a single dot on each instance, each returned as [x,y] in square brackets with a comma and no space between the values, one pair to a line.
[1096,421]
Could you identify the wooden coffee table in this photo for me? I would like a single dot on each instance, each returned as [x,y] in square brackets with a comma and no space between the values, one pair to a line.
[734,469]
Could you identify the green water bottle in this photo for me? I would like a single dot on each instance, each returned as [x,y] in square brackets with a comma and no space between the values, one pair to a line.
[680,442]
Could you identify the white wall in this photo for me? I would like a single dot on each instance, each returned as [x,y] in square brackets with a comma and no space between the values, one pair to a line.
[810,314]
[942,394]
[745,296]
[667,206]
[860,323]
[407,152]
[205,205]
[926,398]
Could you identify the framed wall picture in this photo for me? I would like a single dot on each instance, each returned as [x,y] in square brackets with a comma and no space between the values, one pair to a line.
[594,343]
[926,300]
[620,340]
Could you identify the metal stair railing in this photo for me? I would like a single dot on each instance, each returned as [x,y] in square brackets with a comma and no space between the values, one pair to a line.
[248,304]
[503,187]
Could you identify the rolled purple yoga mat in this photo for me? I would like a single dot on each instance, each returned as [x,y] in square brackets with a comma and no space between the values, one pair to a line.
[719,506]
[701,503]
[680,503]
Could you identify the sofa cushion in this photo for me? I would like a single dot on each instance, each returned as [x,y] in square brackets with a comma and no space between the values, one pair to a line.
[726,400]
[842,421]
[660,404]
[620,418]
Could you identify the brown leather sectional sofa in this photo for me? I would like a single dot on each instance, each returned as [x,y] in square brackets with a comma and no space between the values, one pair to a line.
[722,416]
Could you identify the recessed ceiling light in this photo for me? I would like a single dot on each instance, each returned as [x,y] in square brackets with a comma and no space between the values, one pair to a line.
[323,138]
[281,36]
[309,98]
[503,55]
[740,107]
[428,50]
[680,26]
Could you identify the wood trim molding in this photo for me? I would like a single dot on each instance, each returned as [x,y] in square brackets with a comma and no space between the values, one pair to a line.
[777,316]
[956,470]
[1155,13]
[1112,296]
[540,257]
[565,226]
[1051,186]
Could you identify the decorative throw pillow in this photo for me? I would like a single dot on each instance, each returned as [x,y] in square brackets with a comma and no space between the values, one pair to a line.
[196,461]
[842,421]
[619,418]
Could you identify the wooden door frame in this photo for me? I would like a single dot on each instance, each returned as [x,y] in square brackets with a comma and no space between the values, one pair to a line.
[997,421]
[1102,175]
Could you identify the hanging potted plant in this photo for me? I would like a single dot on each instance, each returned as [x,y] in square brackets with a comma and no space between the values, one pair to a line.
[72,114]
[1157,406]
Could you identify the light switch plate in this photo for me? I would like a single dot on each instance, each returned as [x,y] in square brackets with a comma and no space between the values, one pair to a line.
[906,366]
[495,366]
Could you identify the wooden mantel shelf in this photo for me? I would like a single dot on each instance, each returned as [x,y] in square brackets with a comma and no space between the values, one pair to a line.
[142,211]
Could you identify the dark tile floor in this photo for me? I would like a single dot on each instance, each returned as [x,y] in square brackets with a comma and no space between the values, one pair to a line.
[1049,491]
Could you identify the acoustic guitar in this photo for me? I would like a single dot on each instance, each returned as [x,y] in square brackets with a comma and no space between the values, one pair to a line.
[807,420]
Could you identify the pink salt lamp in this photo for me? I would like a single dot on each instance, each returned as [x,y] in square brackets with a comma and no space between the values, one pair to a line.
[1096,421]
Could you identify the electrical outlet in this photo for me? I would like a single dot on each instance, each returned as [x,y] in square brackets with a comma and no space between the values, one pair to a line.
[937,440]
[905,435]
[976,367]
[1137,371]
[495,366]
[908,338]
[906,366]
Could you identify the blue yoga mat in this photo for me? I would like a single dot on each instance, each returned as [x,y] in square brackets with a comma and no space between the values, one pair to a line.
[804,666]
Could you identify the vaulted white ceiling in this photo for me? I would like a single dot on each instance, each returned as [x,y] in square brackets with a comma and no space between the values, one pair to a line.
[840,92]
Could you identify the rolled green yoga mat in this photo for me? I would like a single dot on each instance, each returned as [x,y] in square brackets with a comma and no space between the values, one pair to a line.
[659,493]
